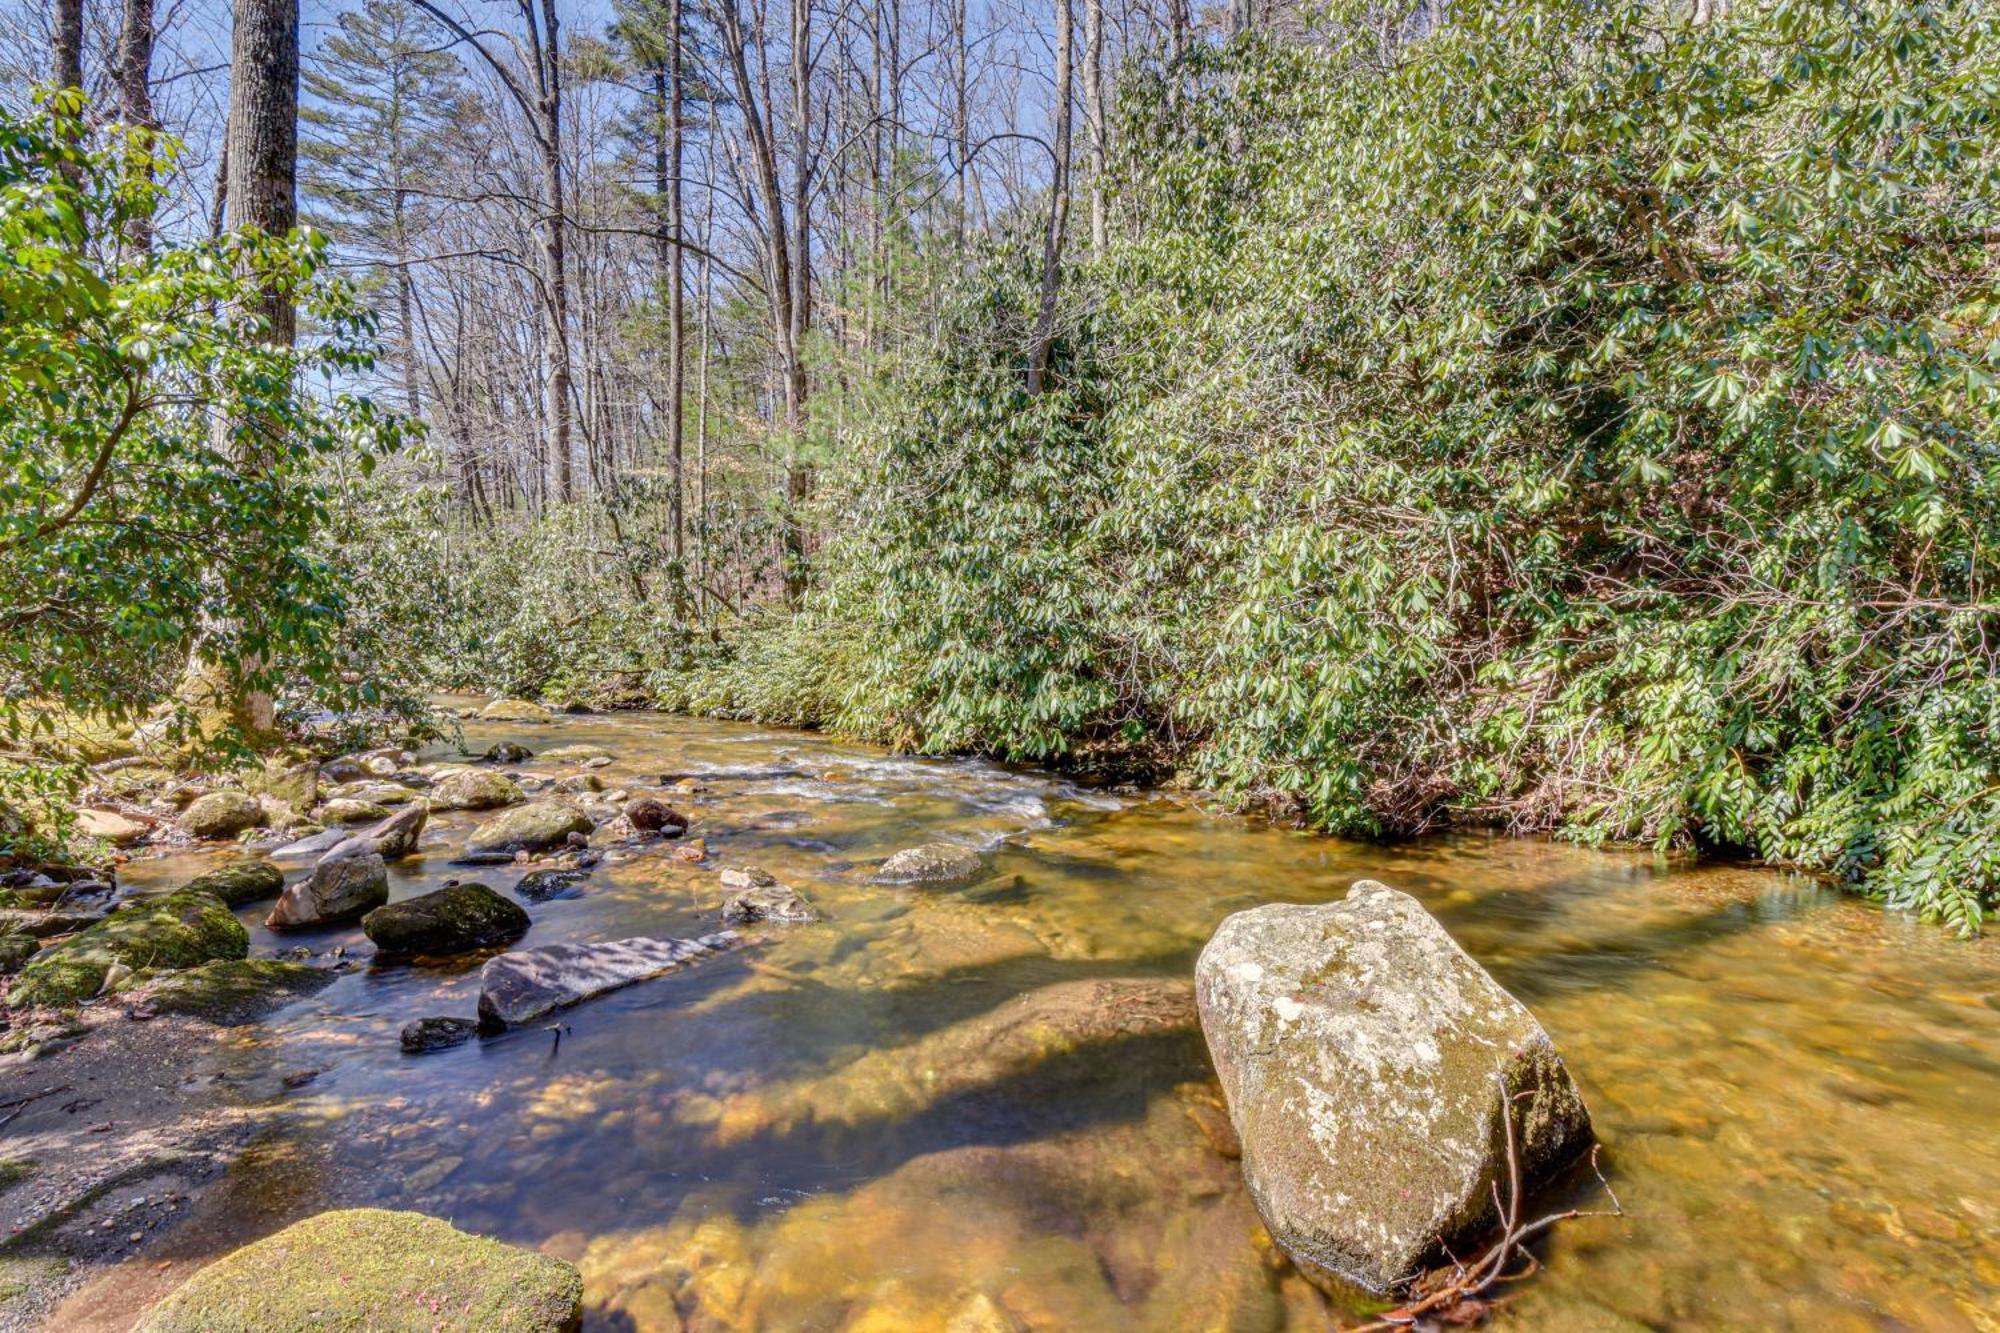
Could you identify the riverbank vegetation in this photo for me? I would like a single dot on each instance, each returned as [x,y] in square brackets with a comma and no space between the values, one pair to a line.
[1393,416]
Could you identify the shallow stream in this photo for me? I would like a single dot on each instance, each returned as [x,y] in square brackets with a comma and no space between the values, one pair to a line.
[1799,1096]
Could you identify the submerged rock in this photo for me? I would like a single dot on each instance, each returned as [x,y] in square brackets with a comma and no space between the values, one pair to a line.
[445,921]
[767,902]
[222,814]
[747,877]
[932,863]
[508,752]
[529,828]
[539,886]
[515,710]
[348,882]
[368,1268]
[575,754]
[474,789]
[174,930]
[649,814]
[241,882]
[233,991]
[424,1035]
[1363,1055]
[520,987]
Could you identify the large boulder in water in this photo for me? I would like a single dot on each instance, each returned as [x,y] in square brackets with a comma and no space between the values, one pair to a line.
[396,836]
[474,789]
[349,882]
[222,814]
[455,919]
[515,710]
[1363,1055]
[368,1268]
[180,929]
[529,828]
[241,882]
[520,987]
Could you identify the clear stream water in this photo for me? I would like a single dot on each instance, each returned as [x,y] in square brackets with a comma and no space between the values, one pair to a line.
[1799,1096]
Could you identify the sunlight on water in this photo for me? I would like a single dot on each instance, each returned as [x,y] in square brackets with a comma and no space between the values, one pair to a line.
[864,1125]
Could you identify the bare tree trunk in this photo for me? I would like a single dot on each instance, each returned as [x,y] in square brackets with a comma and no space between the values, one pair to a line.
[798,481]
[135,93]
[66,43]
[1093,115]
[1052,238]
[555,264]
[668,161]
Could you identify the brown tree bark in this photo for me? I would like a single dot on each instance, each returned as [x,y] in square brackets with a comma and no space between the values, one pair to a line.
[66,43]
[1052,238]
[135,92]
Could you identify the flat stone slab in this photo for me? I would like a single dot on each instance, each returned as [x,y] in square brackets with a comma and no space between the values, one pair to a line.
[520,987]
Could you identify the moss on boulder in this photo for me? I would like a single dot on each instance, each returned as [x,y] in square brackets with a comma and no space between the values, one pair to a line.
[181,929]
[222,814]
[529,827]
[241,882]
[515,710]
[369,1268]
[445,921]
[474,789]
[232,991]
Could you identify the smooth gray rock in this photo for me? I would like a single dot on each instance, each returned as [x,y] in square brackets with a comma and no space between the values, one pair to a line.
[348,883]
[520,987]
[474,789]
[1363,1054]
[396,836]
[932,863]
[317,844]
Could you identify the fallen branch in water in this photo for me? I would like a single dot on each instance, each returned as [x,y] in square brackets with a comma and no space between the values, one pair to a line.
[1465,1298]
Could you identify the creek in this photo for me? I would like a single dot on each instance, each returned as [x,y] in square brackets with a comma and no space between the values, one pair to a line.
[1799,1095]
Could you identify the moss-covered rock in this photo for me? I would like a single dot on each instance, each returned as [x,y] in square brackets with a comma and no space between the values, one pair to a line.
[474,789]
[236,990]
[181,929]
[368,1268]
[342,811]
[295,782]
[574,754]
[222,814]
[241,882]
[373,791]
[15,950]
[445,921]
[515,710]
[529,827]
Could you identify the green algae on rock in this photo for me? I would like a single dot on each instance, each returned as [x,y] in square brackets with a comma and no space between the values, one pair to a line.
[529,827]
[1364,1057]
[241,882]
[180,929]
[222,814]
[230,991]
[388,1272]
[444,921]
[474,789]
[516,710]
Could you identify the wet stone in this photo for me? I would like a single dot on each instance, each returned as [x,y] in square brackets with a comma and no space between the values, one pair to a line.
[773,903]
[437,1034]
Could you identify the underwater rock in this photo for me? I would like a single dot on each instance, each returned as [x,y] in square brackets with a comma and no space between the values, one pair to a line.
[508,752]
[747,877]
[1363,1056]
[539,886]
[231,991]
[529,828]
[474,789]
[446,921]
[348,882]
[932,863]
[424,1035]
[774,903]
[522,986]
[394,1272]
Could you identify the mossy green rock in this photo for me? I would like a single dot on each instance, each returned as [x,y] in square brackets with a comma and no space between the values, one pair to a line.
[515,710]
[241,882]
[353,812]
[222,814]
[474,789]
[574,754]
[181,929]
[445,921]
[529,827]
[386,1272]
[233,991]
[15,950]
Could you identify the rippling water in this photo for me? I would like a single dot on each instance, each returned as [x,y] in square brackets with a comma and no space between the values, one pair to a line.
[1799,1096]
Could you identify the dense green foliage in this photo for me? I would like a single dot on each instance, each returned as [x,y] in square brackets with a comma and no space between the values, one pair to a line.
[163,467]
[1574,420]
